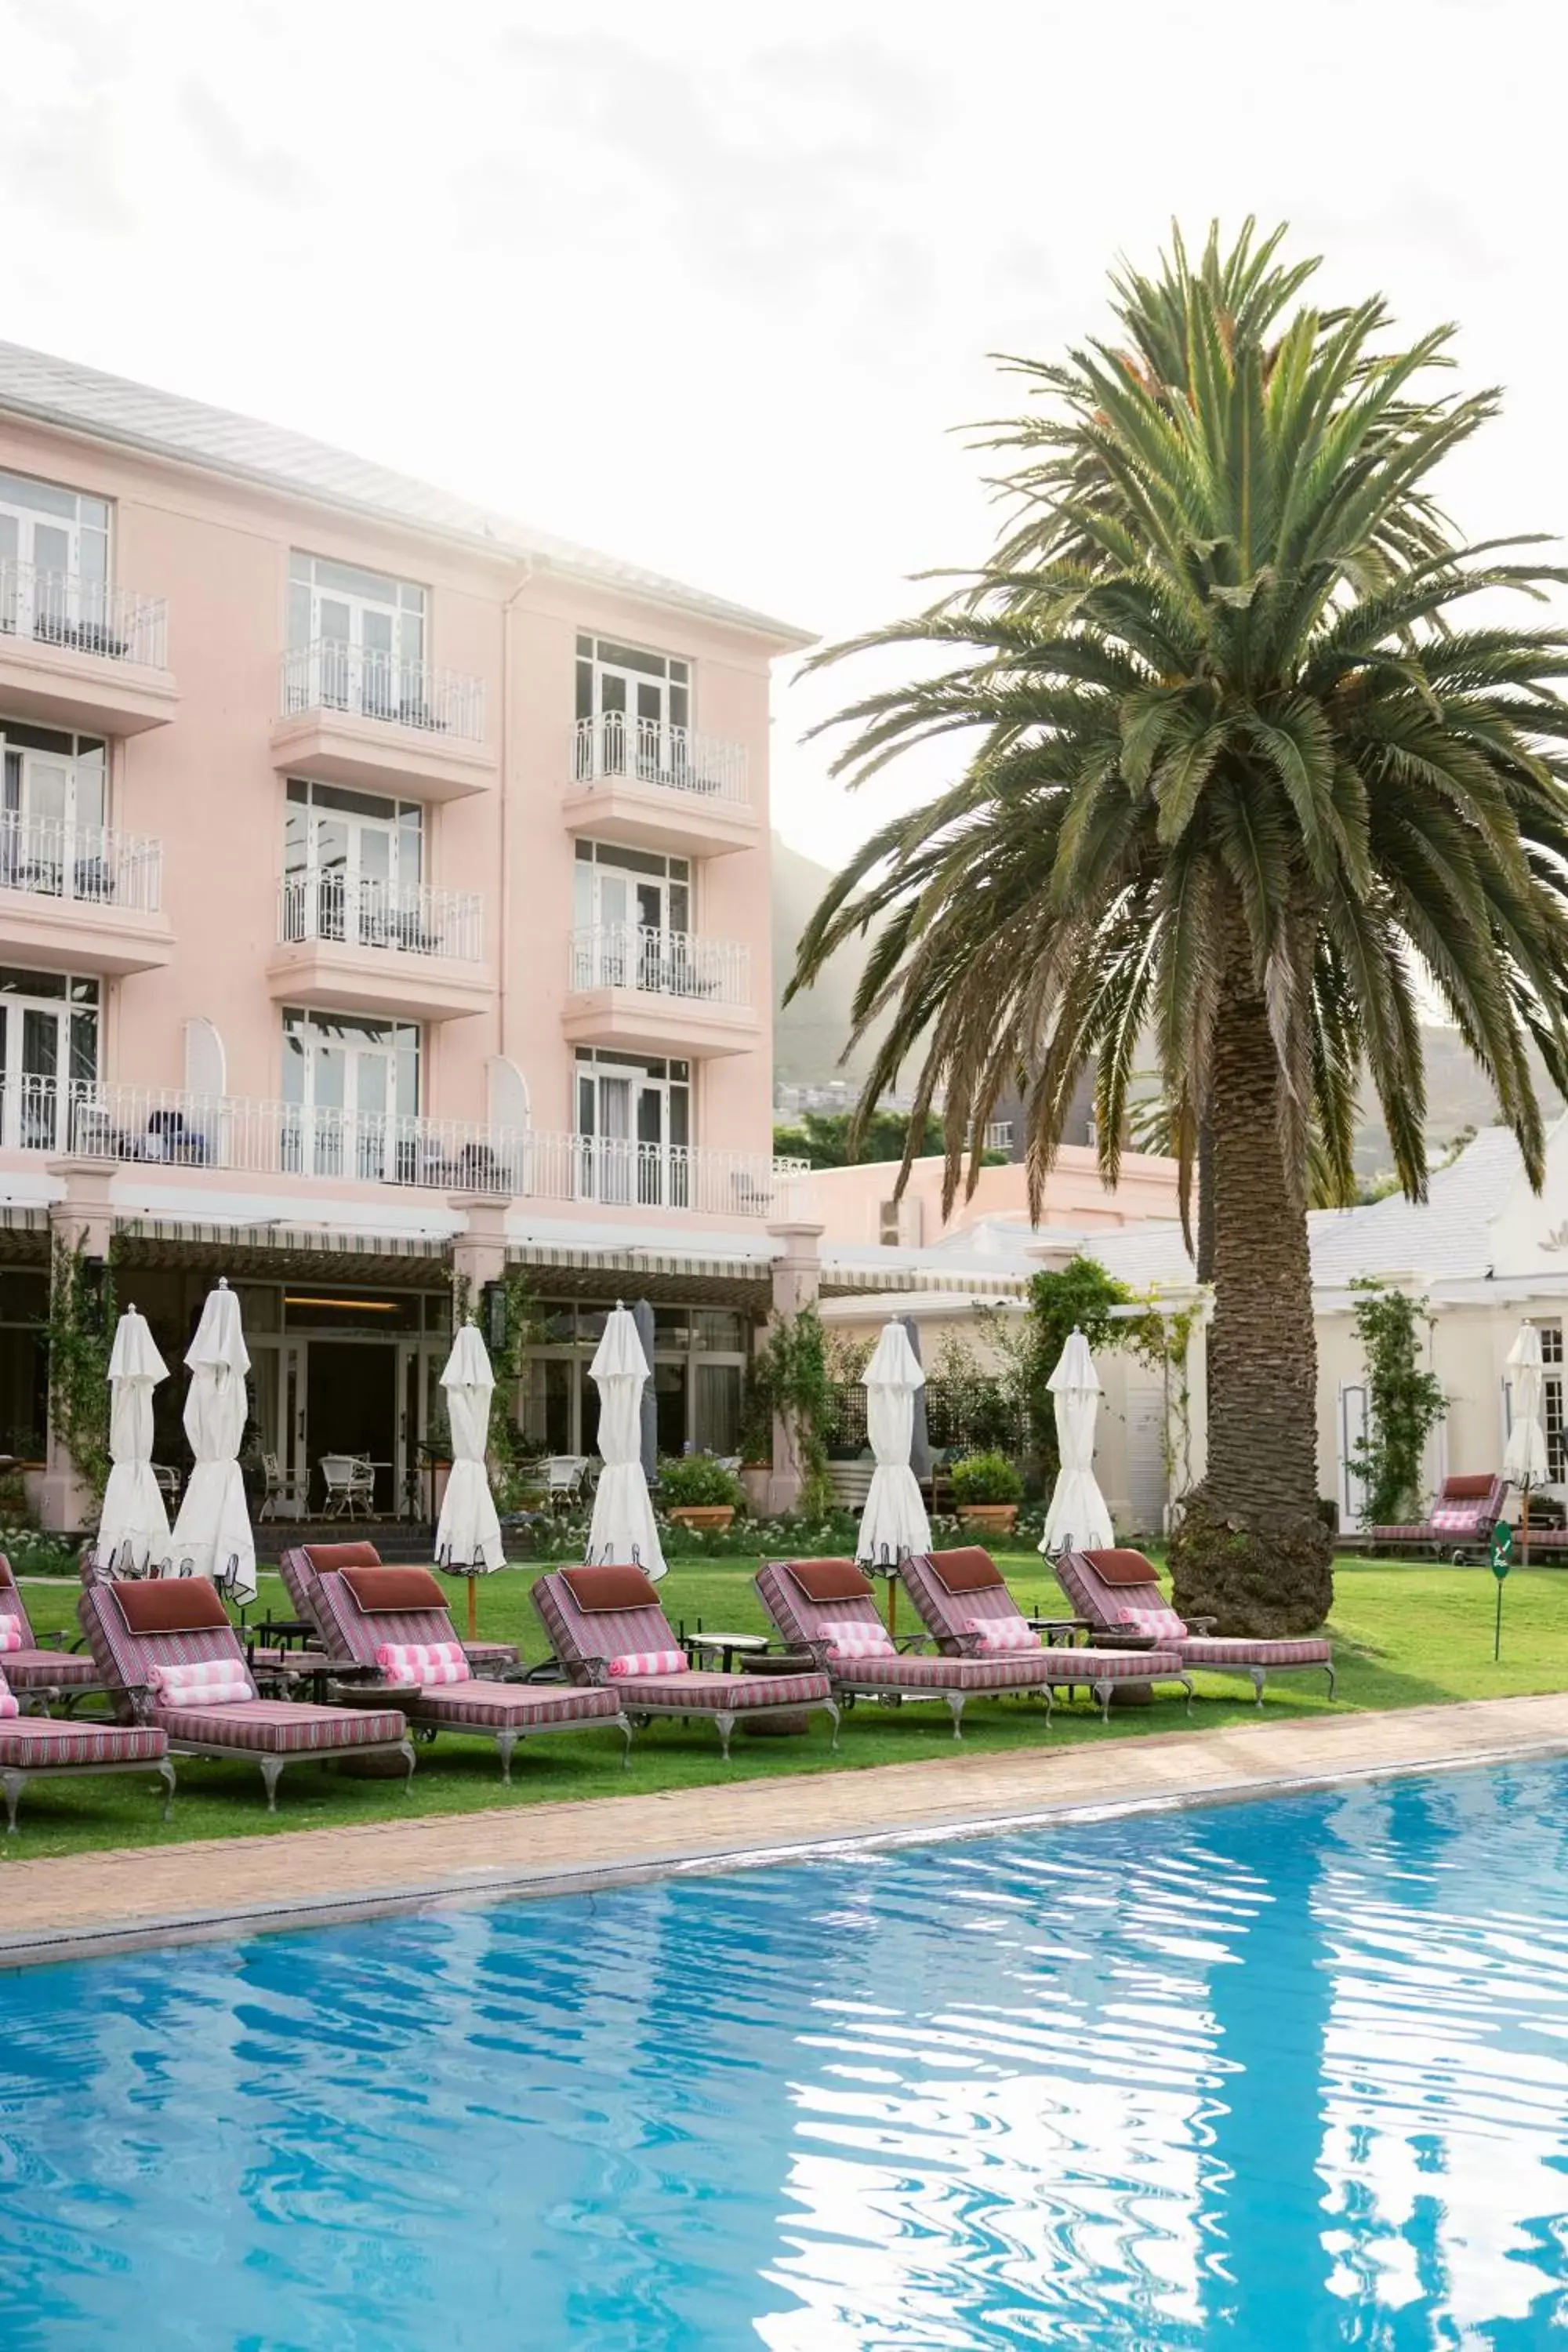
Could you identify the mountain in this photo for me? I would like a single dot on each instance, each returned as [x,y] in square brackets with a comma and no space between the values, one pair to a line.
[809,1034]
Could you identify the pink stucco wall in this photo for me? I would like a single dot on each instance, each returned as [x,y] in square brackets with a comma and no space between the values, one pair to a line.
[848,1202]
[207,786]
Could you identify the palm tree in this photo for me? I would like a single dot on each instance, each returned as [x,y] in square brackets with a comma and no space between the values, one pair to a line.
[1234,776]
[1153,1125]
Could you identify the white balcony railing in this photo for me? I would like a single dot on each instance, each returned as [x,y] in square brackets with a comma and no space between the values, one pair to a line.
[87,617]
[408,917]
[661,963]
[648,752]
[330,676]
[168,1127]
[91,864]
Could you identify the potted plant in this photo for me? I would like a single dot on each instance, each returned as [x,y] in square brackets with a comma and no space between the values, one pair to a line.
[988,1491]
[698,1491]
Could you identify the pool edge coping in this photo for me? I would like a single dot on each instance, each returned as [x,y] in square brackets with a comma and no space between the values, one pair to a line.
[481,1888]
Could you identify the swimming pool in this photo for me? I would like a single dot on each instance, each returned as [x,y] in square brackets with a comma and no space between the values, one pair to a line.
[1282,2075]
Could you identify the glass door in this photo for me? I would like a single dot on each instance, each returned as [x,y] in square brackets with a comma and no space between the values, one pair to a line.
[48,1057]
[355,1087]
[352,867]
[52,809]
[369,633]
[54,563]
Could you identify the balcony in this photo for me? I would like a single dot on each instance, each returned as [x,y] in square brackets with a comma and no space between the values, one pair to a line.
[401,948]
[353,717]
[166,1128]
[658,787]
[81,654]
[80,896]
[640,990]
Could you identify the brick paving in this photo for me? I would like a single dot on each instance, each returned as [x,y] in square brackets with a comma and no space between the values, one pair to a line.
[54,1908]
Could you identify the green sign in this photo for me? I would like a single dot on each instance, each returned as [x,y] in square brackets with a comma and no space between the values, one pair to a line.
[1503,1549]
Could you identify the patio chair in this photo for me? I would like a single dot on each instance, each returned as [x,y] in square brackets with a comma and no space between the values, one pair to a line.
[1463,1516]
[828,1607]
[351,1487]
[283,1496]
[35,1748]
[964,1602]
[38,1676]
[166,1650]
[565,1477]
[608,1629]
[368,1615]
[1118,1591]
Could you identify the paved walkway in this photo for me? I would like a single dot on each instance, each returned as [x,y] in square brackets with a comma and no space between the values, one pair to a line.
[97,1901]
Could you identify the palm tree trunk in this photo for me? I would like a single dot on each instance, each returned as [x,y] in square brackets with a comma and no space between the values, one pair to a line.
[1253,1550]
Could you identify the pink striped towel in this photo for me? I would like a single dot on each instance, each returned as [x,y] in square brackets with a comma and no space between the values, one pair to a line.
[649,1661]
[423,1662]
[201,1682]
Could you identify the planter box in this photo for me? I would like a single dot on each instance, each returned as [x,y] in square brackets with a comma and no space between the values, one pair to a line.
[989,1518]
[715,1516]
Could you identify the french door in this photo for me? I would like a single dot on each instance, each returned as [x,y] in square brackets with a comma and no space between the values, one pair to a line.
[353,1087]
[633,921]
[54,563]
[353,865]
[53,804]
[633,1124]
[48,1057]
[366,637]
[638,706]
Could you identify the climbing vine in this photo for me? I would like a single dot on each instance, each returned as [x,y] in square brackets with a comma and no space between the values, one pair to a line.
[1404,1404]
[80,1336]
[790,1377]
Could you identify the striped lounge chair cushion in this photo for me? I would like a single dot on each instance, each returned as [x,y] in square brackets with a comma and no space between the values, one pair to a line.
[275,1726]
[35,1743]
[1221,1649]
[699,1694]
[583,1639]
[511,1706]
[34,1670]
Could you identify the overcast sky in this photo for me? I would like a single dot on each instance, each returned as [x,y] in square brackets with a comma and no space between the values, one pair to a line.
[711,286]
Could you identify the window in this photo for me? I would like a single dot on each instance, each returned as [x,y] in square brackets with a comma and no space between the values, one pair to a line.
[53,530]
[633,1123]
[1552,1403]
[634,711]
[48,1056]
[352,1084]
[352,865]
[699,1375]
[630,910]
[54,802]
[358,639]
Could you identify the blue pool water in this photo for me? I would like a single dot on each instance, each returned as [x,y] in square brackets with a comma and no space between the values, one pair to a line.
[1282,2076]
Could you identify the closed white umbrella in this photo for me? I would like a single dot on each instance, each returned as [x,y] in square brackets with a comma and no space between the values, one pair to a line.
[1078,1507]
[1524,1459]
[468,1534]
[893,1523]
[133,1526]
[212,1534]
[622,1523]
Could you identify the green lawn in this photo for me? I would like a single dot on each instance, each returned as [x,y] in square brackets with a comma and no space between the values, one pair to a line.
[1404,1637]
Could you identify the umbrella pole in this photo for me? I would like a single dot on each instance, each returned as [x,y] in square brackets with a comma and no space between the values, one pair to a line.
[892,1603]
[473,1608]
[1523,1536]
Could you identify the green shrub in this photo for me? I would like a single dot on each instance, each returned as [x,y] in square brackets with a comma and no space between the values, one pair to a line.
[986,1478]
[697,1478]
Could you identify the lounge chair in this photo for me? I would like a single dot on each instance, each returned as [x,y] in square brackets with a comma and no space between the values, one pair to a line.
[1463,1518]
[606,1628]
[361,1609]
[140,1632]
[33,1748]
[496,1661]
[957,1592]
[828,1607]
[1120,1591]
[37,1677]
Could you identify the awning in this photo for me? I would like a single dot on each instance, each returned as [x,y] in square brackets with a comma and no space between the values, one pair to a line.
[853,1281]
[741,1282]
[280,1251]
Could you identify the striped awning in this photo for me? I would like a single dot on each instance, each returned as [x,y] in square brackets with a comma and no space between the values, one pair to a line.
[668,1274]
[23,1217]
[279,1250]
[856,1281]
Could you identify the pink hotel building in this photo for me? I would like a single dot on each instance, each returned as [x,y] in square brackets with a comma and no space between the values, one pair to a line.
[383,891]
